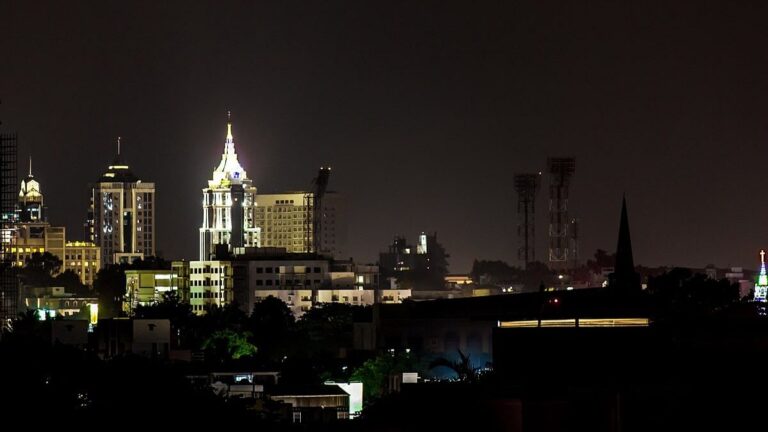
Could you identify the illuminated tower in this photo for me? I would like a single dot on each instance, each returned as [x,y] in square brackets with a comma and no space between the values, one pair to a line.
[560,253]
[228,205]
[761,288]
[121,219]
[30,204]
[526,186]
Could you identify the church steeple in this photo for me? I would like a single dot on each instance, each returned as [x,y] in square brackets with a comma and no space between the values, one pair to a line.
[624,275]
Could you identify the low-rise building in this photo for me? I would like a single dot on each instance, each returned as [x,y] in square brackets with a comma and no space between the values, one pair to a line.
[146,287]
[146,337]
[210,284]
[305,280]
[53,302]
[83,258]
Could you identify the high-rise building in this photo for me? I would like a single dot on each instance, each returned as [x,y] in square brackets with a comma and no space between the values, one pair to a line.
[30,205]
[287,221]
[228,205]
[121,219]
[33,234]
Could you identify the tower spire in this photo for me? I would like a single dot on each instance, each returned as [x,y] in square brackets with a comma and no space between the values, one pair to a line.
[624,275]
[229,127]
[118,146]
[30,165]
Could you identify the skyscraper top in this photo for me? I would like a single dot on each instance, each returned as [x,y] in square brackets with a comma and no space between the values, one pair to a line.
[229,170]
[119,171]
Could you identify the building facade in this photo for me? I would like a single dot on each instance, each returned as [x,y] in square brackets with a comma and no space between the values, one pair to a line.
[210,284]
[287,221]
[34,234]
[228,205]
[303,281]
[30,207]
[147,287]
[83,258]
[121,219]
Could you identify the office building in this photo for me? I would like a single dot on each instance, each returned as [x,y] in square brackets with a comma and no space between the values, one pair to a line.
[83,258]
[288,220]
[228,205]
[121,219]
[210,284]
[147,287]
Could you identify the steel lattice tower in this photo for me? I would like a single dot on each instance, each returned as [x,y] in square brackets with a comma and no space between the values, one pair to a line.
[8,197]
[561,171]
[526,186]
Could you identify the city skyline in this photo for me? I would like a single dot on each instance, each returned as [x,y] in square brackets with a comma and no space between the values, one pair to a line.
[671,131]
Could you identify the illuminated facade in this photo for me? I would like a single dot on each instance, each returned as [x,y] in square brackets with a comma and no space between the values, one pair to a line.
[286,221]
[121,218]
[83,258]
[210,284]
[228,205]
[147,287]
[30,207]
[761,287]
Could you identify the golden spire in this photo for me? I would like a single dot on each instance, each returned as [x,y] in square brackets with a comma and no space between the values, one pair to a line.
[229,126]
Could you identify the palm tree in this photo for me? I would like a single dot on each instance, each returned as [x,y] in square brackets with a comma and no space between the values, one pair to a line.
[463,367]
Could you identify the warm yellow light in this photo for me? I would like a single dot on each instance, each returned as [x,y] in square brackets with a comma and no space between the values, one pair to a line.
[94,313]
[514,324]
[559,323]
[580,322]
[614,322]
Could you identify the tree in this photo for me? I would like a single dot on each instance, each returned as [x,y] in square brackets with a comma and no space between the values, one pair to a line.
[39,269]
[271,322]
[110,287]
[462,367]
[602,260]
[45,262]
[71,283]
[680,291]
[227,345]
[170,307]
[375,372]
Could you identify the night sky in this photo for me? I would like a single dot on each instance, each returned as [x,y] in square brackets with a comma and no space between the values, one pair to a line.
[424,109]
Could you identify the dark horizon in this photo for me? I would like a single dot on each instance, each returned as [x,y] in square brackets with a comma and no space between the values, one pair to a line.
[424,111]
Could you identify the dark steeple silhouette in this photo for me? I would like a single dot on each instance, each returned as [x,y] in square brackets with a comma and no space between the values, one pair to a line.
[624,276]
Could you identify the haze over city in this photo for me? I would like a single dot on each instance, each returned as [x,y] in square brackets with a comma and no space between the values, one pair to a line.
[424,110]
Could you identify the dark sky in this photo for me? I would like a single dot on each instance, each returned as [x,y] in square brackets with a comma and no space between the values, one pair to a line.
[424,109]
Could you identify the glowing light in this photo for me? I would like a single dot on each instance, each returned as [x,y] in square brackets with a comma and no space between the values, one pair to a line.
[578,322]
[93,309]
[761,288]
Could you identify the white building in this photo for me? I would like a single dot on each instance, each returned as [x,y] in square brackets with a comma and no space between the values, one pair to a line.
[121,216]
[210,284]
[228,205]
[306,280]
